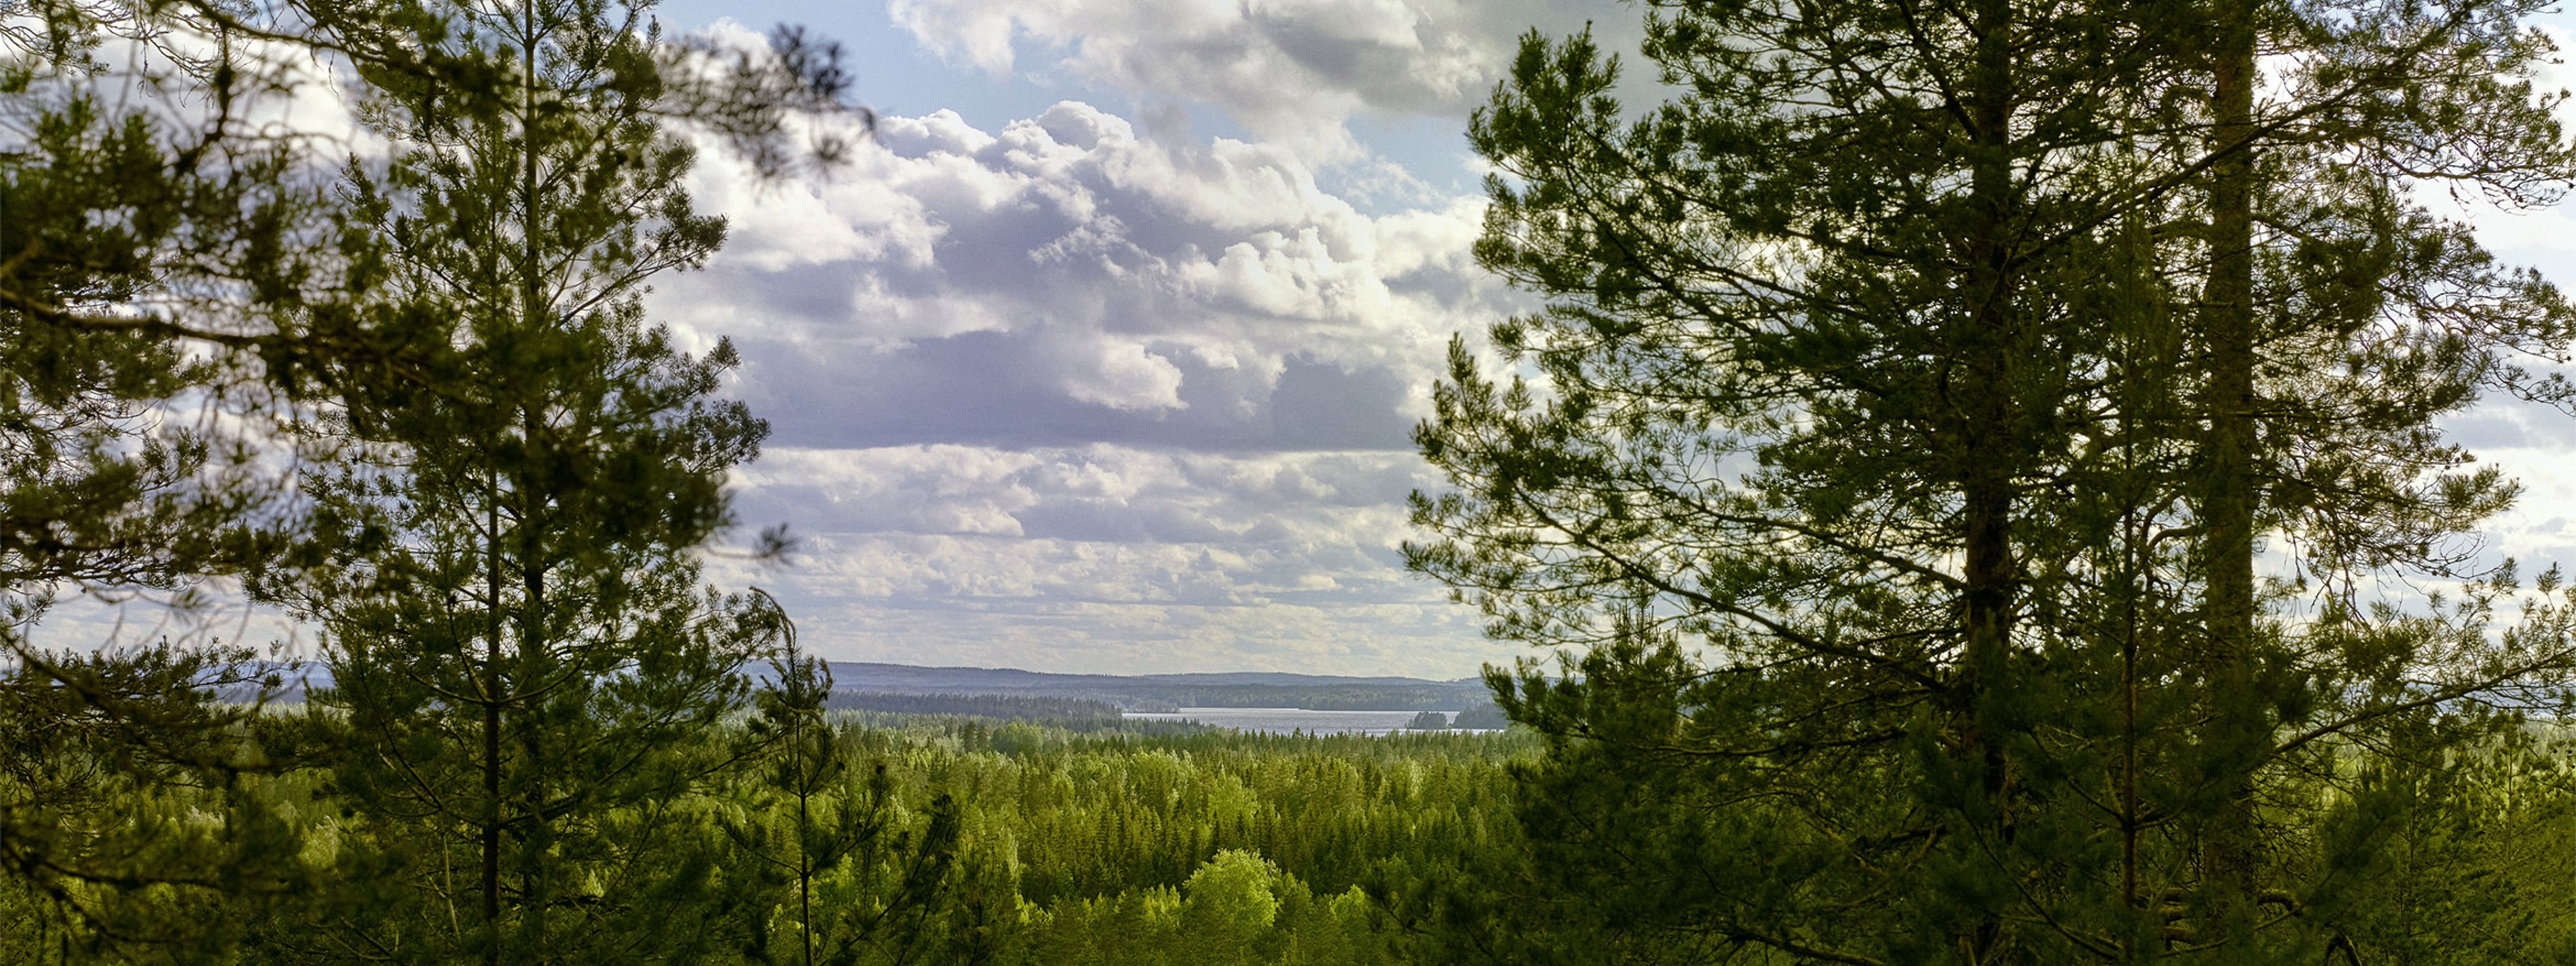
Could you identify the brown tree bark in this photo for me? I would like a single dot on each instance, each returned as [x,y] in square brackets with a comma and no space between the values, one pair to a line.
[1982,401]
[2235,730]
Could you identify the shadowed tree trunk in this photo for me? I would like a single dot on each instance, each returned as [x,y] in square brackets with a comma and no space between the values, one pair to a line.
[2238,736]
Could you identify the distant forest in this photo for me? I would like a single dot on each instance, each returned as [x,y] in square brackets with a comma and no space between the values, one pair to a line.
[1172,691]
[1079,714]
[1066,711]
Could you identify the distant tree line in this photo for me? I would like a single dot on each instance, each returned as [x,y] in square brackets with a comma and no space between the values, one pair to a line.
[1149,695]
[1327,698]
[1061,711]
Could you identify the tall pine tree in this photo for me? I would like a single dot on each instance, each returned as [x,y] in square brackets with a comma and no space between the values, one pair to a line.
[1894,447]
[522,652]
[173,291]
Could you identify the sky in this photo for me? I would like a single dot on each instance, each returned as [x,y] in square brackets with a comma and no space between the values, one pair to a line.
[1103,356]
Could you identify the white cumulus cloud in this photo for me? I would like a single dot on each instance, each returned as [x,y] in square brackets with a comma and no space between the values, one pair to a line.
[1291,71]
[1077,394]
[1070,278]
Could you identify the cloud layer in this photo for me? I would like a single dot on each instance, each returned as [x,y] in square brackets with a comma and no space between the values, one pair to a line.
[1110,558]
[1291,71]
[1067,280]
[1071,395]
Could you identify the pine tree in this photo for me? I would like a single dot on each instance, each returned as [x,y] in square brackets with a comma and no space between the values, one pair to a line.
[149,246]
[803,819]
[173,302]
[136,818]
[519,643]
[1887,456]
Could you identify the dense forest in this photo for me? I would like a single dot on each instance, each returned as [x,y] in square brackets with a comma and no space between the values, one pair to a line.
[923,839]
[1976,489]
[942,839]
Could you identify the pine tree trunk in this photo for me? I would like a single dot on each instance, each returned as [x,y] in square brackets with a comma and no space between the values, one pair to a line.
[537,838]
[492,685]
[535,892]
[804,847]
[2236,729]
[1983,401]
[538,676]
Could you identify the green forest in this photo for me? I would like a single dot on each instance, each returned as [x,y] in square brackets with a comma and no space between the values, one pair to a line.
[820,837]
[1975,491]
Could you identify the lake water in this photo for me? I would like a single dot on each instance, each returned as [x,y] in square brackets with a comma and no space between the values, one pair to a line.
[1281,721]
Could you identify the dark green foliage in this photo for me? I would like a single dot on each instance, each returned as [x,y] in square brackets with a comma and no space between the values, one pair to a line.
[2437,856]
[887,885]
[138,812]
[1914,391]
[523,658]
[128,823]
[1105,832]
[179,297]
[929,844]
[805,767]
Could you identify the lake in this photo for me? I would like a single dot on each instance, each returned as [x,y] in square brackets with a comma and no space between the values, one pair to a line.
[1281,721]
